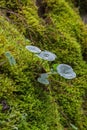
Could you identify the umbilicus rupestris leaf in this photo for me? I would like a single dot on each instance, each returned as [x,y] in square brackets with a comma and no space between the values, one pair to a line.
[46,55]
[33,49]
[43,80]
[10,58]
[66,71]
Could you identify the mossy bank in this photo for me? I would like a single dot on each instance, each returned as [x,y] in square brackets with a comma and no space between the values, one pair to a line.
[26,104]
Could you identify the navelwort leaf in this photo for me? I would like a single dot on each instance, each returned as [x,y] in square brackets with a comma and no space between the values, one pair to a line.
[10,58]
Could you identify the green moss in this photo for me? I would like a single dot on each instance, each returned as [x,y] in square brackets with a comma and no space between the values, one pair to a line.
[19,87]
[33,106]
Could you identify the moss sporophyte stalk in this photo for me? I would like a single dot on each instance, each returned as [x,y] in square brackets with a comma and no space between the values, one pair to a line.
[63,70]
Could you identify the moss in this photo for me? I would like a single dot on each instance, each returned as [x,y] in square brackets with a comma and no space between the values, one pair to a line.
[33,106]
[20,88]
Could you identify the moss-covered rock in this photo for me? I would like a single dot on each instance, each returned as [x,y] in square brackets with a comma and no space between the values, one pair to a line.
[25,103]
